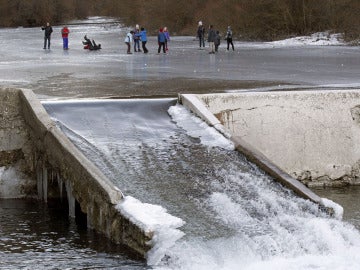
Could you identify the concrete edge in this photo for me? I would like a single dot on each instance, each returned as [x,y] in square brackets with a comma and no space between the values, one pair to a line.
[193,103]
[96,194]
[199,108]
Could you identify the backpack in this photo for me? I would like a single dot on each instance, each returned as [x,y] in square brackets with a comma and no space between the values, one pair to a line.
[229,34]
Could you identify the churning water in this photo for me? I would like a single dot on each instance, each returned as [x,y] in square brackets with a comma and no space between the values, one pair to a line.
[235,216]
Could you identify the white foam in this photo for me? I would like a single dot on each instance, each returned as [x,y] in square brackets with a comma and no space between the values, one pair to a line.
[277,234]
[338,209]
[197,128]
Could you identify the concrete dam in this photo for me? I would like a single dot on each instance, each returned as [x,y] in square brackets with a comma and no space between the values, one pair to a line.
[92,166]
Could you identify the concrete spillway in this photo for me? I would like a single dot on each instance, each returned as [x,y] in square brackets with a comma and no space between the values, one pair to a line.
[138,148]
[228,204]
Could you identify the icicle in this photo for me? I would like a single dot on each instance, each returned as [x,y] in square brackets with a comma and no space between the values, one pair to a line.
[45,183]
[89,216]
[39,182]
[60,184]
[71,199]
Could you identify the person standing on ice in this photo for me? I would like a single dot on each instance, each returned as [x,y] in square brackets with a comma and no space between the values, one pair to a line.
[143,38]
[48,30]
[229,35]
[211,39]
[128,41]
[167,36]
[161,40]
[217,41]
[65,36]
[201,34]
[136,38]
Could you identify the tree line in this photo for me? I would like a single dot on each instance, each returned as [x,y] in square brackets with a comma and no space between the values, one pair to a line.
[250,19]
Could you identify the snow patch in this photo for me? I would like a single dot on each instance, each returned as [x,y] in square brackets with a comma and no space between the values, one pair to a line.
[153,218]
[338,209]
[197,128]
[318,39]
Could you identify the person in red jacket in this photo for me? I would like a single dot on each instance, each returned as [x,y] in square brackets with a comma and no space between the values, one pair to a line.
[65,35]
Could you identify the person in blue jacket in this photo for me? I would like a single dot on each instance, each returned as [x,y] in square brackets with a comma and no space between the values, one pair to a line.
[161,40]
[143,38]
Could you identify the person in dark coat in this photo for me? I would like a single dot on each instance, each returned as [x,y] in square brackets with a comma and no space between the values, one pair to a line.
[211,39]
[48,30]
[229,35]
[201,34]
[217,41]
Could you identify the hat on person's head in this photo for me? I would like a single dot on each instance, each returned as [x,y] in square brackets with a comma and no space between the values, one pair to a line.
[200,23]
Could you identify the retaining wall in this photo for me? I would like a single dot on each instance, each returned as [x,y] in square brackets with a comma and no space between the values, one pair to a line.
[56,169]
[311,135]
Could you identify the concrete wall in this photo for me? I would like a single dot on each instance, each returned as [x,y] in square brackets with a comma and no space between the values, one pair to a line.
[14,137]
[313,136]
[57,169]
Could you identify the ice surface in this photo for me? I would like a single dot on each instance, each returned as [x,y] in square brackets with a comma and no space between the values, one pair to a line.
[59,73]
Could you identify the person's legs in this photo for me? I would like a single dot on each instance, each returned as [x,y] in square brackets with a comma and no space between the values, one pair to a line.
[128,47]
[232,45]
[48,42]
[45,42]
[65,43]
[212,47]
[144,46]
[163,45]
[228,43]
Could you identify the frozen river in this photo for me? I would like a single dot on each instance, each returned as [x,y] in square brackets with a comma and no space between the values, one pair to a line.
[111,72]
[223,230]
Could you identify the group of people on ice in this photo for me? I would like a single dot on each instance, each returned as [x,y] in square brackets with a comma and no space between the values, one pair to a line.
[88,44]
[213,38]
[140,35]
[47,36]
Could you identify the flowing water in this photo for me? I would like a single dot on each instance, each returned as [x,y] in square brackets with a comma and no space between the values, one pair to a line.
[235,216]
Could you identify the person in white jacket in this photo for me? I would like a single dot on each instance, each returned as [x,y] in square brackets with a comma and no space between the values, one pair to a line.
[128,41]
